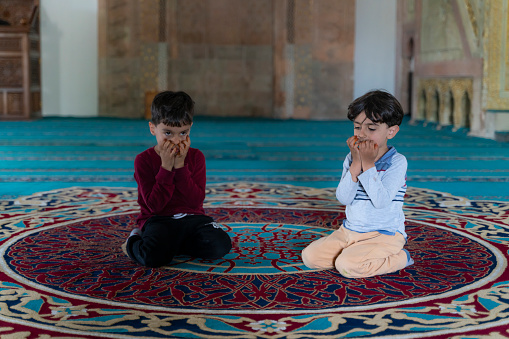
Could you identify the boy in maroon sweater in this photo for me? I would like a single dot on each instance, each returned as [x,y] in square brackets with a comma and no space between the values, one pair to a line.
[171,189]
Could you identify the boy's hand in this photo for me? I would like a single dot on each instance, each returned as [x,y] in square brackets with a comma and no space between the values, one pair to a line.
[368,152]
[183,148]
[167,152]
[353,144]
[356,166]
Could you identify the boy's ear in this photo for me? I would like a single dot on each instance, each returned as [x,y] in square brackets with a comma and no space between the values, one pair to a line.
[152,128]
[393,130]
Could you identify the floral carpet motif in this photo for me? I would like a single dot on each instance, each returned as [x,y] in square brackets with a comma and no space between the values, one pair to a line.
[64,272]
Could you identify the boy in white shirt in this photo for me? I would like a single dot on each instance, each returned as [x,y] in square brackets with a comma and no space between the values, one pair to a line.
[370,241]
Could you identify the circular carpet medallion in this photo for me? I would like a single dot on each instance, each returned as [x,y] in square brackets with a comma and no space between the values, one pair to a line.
[64,271]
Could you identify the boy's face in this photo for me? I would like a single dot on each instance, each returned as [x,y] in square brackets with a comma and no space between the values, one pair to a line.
[164,132]
[365,129]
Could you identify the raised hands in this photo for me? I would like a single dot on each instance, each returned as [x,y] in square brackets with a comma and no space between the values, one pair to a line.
[368,151]
[167,152]
[183,148]
[356,165]
[173,155]
[364,154]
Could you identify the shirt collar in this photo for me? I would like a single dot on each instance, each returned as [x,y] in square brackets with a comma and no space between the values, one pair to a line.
[387,155]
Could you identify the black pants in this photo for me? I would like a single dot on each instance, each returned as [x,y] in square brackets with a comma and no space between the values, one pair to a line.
[164,237]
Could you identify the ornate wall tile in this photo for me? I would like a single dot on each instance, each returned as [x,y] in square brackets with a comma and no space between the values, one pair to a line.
[446,101]
[496,56]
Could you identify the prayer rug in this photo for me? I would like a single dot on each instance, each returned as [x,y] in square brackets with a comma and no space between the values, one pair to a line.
[64,274]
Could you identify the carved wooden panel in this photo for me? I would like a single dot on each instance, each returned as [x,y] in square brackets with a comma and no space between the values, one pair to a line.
[20,93]
[16,12]
[14,104]
[11,72]
[10,44]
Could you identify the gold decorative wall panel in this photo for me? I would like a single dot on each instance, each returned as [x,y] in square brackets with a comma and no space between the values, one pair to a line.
[496,57]
[446,101]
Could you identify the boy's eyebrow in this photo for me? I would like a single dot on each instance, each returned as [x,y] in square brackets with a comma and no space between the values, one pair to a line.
[170,130]
[369,123]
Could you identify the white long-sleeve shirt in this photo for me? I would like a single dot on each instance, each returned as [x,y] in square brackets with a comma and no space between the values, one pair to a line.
[375,201]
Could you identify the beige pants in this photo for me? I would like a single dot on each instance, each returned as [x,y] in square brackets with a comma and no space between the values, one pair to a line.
[357,255]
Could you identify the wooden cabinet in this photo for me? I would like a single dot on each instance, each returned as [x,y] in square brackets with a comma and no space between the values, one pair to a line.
[20,90]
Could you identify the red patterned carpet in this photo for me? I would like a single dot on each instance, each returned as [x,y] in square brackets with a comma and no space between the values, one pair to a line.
[64,273]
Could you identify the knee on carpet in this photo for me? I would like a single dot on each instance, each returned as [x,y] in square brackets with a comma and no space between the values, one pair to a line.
[350,269]
[308,258]
[216,246]
[220,250]
[150,257]
[154,261]
[225,246]
[153,258]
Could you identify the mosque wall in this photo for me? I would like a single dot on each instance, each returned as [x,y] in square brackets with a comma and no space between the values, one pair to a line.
[459,63]
[281,59]
[255,58]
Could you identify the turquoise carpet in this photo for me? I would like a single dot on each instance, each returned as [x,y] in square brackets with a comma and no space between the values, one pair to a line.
[64,152]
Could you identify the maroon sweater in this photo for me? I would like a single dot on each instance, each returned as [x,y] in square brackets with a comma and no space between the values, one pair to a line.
[165,193]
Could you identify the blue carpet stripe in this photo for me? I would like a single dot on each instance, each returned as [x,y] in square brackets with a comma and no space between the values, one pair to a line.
[59,152]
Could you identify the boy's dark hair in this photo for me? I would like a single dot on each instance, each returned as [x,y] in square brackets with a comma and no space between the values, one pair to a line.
[174,109]
[379,106]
